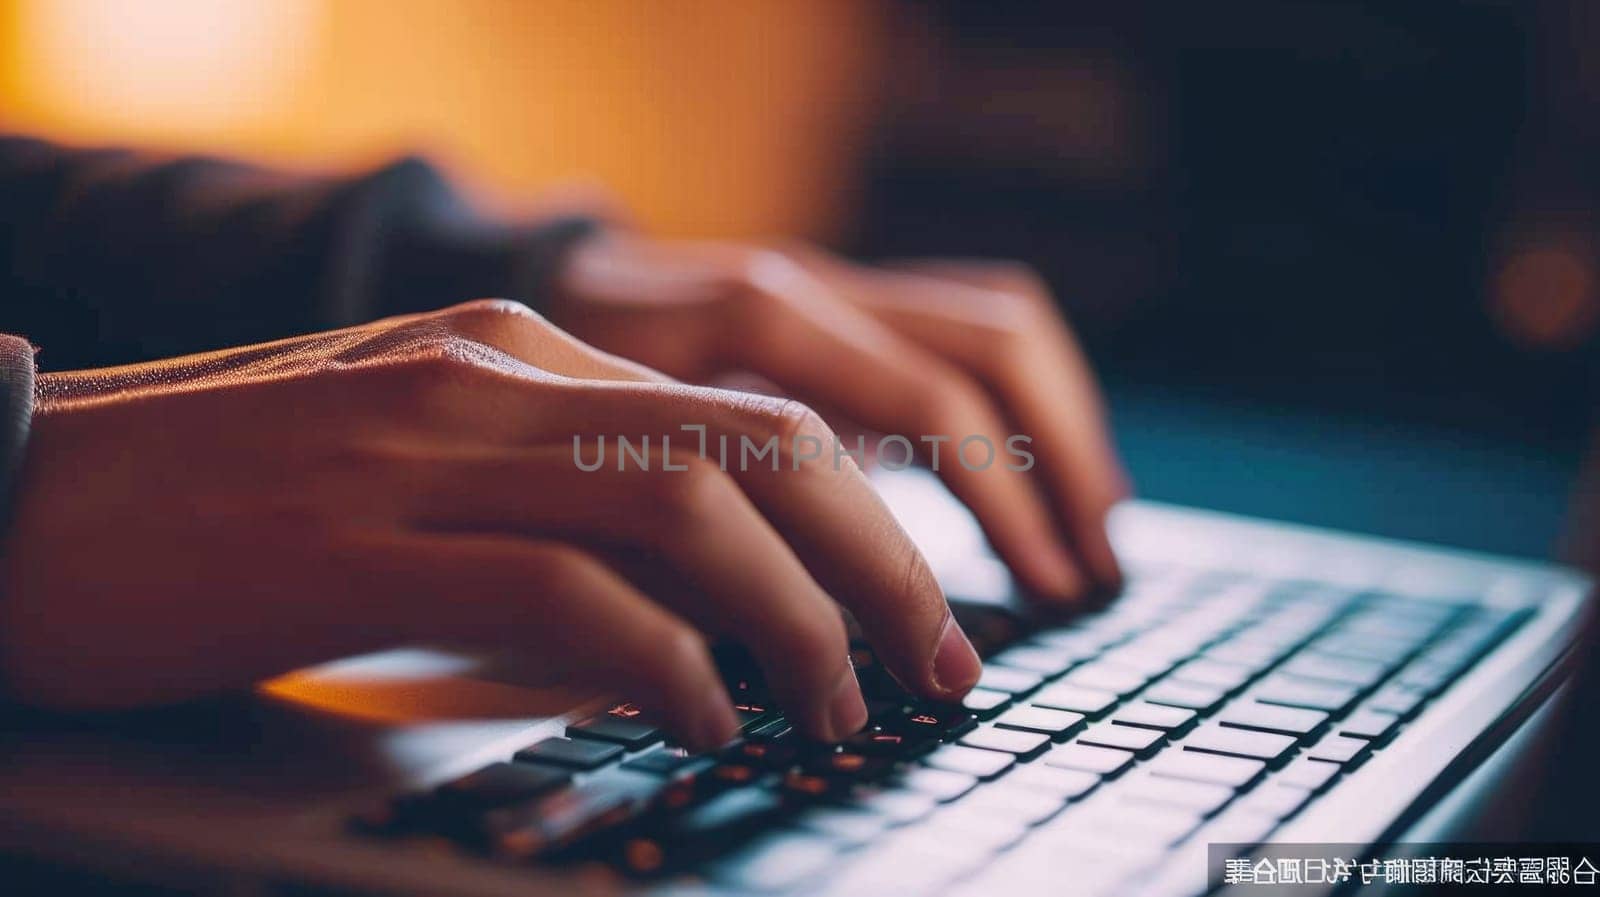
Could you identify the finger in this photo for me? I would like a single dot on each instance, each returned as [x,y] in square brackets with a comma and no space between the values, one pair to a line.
[562,610]
[804,337]
[828,514]
[740,575]
[1003,328]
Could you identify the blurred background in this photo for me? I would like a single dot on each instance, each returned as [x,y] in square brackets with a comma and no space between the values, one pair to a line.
[1336,261]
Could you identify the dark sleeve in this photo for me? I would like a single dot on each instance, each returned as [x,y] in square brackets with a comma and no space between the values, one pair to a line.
[16,414]
[113,256]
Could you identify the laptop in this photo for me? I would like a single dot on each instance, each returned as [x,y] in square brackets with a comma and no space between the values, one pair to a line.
[1256,683]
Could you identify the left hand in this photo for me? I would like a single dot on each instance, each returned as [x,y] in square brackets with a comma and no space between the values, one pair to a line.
[937,349]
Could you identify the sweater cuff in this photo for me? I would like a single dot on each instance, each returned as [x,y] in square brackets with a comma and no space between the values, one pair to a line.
[16,415]
[424,247]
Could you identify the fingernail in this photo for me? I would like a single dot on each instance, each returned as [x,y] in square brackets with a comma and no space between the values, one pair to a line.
[847,712]
[956,666]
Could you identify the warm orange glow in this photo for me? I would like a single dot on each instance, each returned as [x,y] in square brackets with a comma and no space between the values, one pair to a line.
[172,67]
[710,117]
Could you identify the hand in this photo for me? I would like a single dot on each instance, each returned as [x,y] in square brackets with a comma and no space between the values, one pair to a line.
[202,523]
[939,350]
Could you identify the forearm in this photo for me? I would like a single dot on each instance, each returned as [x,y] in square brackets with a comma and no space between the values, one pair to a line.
[114,256]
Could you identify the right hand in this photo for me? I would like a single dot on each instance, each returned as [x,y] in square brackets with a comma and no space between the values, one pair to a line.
[201,523]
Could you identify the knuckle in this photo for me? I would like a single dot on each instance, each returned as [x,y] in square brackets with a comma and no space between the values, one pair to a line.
[803,437]
[793,419]
[760,298]
[488,312]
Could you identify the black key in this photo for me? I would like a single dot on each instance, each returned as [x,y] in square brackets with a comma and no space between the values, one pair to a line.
[877,684]
[876,742]
[1373,725]
[1251,714]
[846,764]
[1340,749]
[499,784]
[1201,698]
[753,716]
[1090,702]
[811,785]
[875,680]
[970,761]
[735,773]
[1235,772]
[984,703]
[939,721]
[987,628]
[621,725]
[1008,680]
[559,819]
[1143,742]
[577,754]
[1264,746]
[688,837]
[1025,745]
[1102,761]
[772,754]
[770,730]
[642,856]
[686,791]
[669,762]
[880,709]
[1333,697]
[1057,724]
[1172,720]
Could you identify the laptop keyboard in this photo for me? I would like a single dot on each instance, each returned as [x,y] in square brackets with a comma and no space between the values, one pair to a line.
[1198,707]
